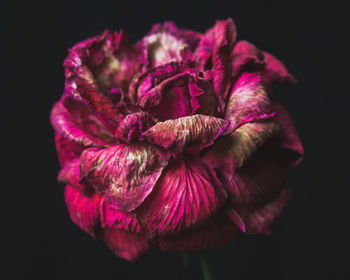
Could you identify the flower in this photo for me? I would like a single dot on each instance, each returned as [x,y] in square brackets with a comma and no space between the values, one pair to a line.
[176,141]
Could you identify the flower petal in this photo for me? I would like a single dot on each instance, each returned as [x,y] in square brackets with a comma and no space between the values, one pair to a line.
[165,43]
[248,102]
[113,218]
[125,173]
[246,58]
[99,65]
[215,49]
[217,230]
[289,137]
[259,220]
[70,174]
[132,127]
[197,131]
[67,150]
[275,71]
[84,210]
[187,193]
[127,245]
[232,151]
[262,177]
[76,122]
[170,99]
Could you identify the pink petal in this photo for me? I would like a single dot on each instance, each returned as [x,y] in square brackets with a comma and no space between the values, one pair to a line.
[84,210]
[289,137]
[275,71]
[217,230]
[248,102]
[79,124]
[96,66]
[197,131]
[70,174]
[262,177]
[246,57]
[67,150]
[166,42]
[150,78]
[259,220]
[232,151]
[187,193]
[127,245]
[132,127]
[125,173]
[168,100]
[215,49]
[203,98]
[113,218]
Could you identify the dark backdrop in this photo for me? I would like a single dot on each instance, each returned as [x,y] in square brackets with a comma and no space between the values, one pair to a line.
[40,240]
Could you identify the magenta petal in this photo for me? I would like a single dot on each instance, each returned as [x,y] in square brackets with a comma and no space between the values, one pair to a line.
[232,151]
[100,64]
[79,124]
[289,137]
[151,78]
[165,43]
[84,210]
[215,49]
[246,58]
[187,193]
[113,218]
[70,174]
[260,219]
[215,231]
[248,102]
[127,245]
[67,150]
[126,174]
[197,130]
[275,71]
[132,127]
[262,177]
[168,100]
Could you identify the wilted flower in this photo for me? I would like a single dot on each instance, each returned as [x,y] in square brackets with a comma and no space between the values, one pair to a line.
[176,141]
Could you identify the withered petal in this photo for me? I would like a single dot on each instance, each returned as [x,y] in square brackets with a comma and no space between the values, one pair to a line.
[125,174]
[187,193]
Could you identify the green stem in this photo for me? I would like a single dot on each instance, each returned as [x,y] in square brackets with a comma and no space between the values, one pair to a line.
[207,268]
[185,259]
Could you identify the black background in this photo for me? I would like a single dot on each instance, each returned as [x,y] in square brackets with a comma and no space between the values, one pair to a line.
[40,240]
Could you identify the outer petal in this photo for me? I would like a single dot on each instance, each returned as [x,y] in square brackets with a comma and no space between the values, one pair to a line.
[248,102]
[259,220]
[214,52]
[125,173]
[113,218]
[246,58]
[70,174]
[262,177]
[289,138]
[197,131]
[79,124]
[99,65]
[84,210]
[127,245]
[216,231]
[166,43]
[275,71]
[67,150]
[232,151]
[187,193]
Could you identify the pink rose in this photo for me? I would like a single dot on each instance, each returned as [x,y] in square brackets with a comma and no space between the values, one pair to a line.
[176,141]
